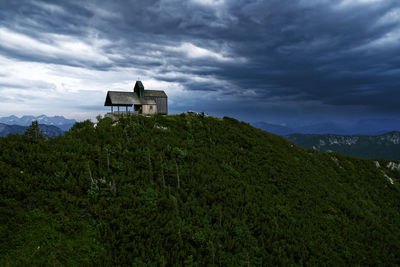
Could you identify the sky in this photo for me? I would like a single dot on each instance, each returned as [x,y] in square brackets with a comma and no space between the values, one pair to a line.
[280,61]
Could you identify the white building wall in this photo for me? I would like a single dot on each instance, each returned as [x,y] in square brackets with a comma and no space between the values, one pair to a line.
[149,109]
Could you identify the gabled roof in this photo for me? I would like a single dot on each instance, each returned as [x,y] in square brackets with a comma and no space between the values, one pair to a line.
[116,98]
[154,93]
[125,99]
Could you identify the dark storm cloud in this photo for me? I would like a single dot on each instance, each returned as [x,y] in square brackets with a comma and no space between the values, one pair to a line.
[313,53]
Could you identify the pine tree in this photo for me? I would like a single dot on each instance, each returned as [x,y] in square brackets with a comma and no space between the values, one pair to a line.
[34,133]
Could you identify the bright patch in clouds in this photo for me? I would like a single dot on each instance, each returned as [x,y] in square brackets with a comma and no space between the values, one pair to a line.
[389,40]
[60,47]
[209,2]
[49,7]
[393,16]
[193,51]
[350,3]
[38,88]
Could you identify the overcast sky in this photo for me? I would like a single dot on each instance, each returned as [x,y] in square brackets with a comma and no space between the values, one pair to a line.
[280,61]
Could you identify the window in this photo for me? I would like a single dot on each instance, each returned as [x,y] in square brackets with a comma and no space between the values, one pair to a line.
[151,107]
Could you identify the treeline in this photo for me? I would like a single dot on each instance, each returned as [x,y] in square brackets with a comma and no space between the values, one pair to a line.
[190,190]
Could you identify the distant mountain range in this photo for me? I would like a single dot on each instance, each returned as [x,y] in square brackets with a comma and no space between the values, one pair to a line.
[5,129]
[49,130]
[380,146]
[50,126]
[362,127]
[59,121]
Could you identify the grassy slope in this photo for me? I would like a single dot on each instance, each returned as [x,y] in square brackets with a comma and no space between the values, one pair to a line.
[109,194]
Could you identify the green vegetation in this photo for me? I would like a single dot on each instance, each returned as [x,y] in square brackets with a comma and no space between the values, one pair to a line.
[190,190]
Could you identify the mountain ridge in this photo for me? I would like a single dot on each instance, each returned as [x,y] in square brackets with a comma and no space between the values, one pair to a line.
[26,120]
[49,130]
[385,145]
[362,127]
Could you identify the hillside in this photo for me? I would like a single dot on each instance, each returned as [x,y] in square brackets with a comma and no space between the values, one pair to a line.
[191,190]
[381,146]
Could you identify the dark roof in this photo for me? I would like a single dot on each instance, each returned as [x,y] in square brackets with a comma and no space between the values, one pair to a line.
[154,93]
[116,98]
[139,84]
[125,99]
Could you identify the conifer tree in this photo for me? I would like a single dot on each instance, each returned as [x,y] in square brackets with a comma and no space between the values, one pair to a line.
[34,133]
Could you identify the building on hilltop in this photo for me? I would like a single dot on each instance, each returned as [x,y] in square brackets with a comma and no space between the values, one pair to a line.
[140,101]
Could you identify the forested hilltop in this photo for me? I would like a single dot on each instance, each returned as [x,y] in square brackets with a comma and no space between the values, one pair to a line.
[190,190]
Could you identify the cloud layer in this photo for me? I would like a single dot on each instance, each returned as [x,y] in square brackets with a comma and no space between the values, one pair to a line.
[276,60]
